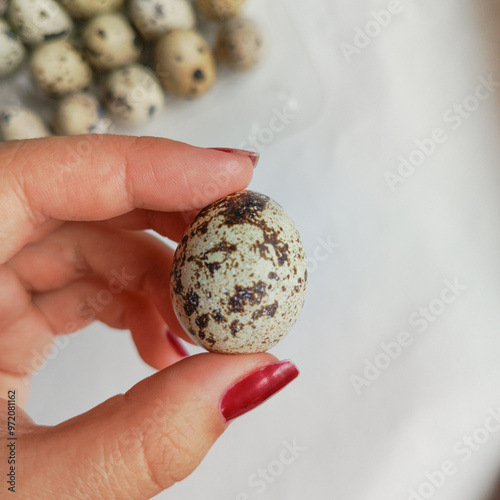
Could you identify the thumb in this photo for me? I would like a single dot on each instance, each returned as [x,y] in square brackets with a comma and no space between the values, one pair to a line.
[137,444]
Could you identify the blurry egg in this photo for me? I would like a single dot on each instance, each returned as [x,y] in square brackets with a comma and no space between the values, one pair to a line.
[36,21]
[154,18]
[219,10]
[59,69]
[133,95]
[19,122]
[185,64]
[4,4]
[12,51]
[83,9]
[110,42]
[239,275]
[80,113]
[240,44]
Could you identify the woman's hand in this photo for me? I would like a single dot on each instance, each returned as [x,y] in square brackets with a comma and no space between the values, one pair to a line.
[73,250]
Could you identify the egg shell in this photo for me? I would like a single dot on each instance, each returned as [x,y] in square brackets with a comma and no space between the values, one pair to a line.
[80,113]
[84,9]
[240,44]
[59,69]
[133,95]
[219,10]
[238,279]
[36,21]
[12,51]
[154,18]
[185,64]
[110,42]
[20,122]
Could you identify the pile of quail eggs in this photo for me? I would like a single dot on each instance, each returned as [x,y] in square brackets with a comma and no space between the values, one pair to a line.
[105,62]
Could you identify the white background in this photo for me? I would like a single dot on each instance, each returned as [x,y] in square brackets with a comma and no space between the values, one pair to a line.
[393,252]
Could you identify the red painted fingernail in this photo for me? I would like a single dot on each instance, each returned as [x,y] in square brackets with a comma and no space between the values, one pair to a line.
[176,344]
[254,156]
[255,388]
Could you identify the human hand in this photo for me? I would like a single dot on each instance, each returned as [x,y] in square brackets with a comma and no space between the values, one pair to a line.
[73,211]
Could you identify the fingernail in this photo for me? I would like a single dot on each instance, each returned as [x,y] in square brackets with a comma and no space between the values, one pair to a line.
[176,344]
[255,388]
[254,156]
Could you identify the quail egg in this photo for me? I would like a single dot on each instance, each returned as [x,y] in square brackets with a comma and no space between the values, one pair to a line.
[36,21]
[238,279]
[19,122]
[240,44]
[110,42]
[219,10]
[133,95]
[154,18]
[185,64]
[79,114]
[59,69]
[83,9]
[12,51]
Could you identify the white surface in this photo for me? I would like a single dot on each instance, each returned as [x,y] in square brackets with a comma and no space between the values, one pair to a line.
[395,251]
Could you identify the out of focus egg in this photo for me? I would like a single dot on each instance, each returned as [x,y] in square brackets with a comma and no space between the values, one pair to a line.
[239,275]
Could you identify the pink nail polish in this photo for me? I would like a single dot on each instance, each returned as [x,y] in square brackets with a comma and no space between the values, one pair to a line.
[176,344]
[254,156]
[255,388]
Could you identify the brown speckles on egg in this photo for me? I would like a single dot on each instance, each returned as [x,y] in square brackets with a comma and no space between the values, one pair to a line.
[232,257]
[240,44]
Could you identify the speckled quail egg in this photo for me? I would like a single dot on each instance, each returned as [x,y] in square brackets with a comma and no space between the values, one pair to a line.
[154,18]
[110,42]
[59,69]
[83,9]
[20,122]
[240,44]
[36,21]
[80,113]
[185,64]
[4,4]
[238,279]
[133,95]
[12,51]
[219,10]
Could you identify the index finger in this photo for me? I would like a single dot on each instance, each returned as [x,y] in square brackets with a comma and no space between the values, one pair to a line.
[98,177]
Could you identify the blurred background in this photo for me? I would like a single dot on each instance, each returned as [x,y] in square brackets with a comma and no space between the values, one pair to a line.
[378,127]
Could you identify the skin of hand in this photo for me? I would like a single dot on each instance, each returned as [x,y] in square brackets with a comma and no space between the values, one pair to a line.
[73,215]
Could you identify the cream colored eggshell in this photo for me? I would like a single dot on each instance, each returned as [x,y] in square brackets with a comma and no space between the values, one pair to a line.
[219,10]
[19,122]
[12,51]
[240,44]
[59,69]
[185,64]
[80,113]
[110,42]
[133,95]
[239,275]
[36,21]
[83,9]
[154,18]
